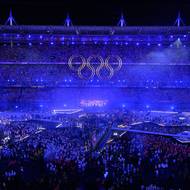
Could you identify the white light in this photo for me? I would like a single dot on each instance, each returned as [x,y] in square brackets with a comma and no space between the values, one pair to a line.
[147,106]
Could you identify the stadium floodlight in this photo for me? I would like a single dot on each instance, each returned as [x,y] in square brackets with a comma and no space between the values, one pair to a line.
[179,20]
[122,21]
[10,21]
[68,21]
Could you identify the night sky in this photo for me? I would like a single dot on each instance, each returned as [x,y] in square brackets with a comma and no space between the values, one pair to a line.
[95,12]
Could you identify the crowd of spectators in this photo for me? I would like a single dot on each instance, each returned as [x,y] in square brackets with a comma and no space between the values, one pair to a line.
[67,158]
[130,53]
[58,159]
[145,162]
[149,76]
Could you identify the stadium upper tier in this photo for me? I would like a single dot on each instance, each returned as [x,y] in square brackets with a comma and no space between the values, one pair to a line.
[134,45]
[96,30]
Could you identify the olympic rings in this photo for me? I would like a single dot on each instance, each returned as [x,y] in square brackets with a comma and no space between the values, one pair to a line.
[71,60]
[95,71]
[88,65]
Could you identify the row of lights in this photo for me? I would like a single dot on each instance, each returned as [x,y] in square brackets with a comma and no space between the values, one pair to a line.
[123,106]
[91,81]
[148,107]
[29,36]
[41,106]
[116,43]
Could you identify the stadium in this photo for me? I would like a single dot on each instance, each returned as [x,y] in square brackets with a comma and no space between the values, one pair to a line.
[94,107]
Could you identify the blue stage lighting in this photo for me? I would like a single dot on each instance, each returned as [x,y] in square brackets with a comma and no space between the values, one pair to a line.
[147,106]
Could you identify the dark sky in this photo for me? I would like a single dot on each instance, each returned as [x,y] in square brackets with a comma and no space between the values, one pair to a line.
[96,12]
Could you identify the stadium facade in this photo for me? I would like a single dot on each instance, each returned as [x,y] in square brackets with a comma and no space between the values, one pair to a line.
[94,67]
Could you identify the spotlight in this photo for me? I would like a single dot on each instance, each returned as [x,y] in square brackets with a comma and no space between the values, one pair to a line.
[147,106]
